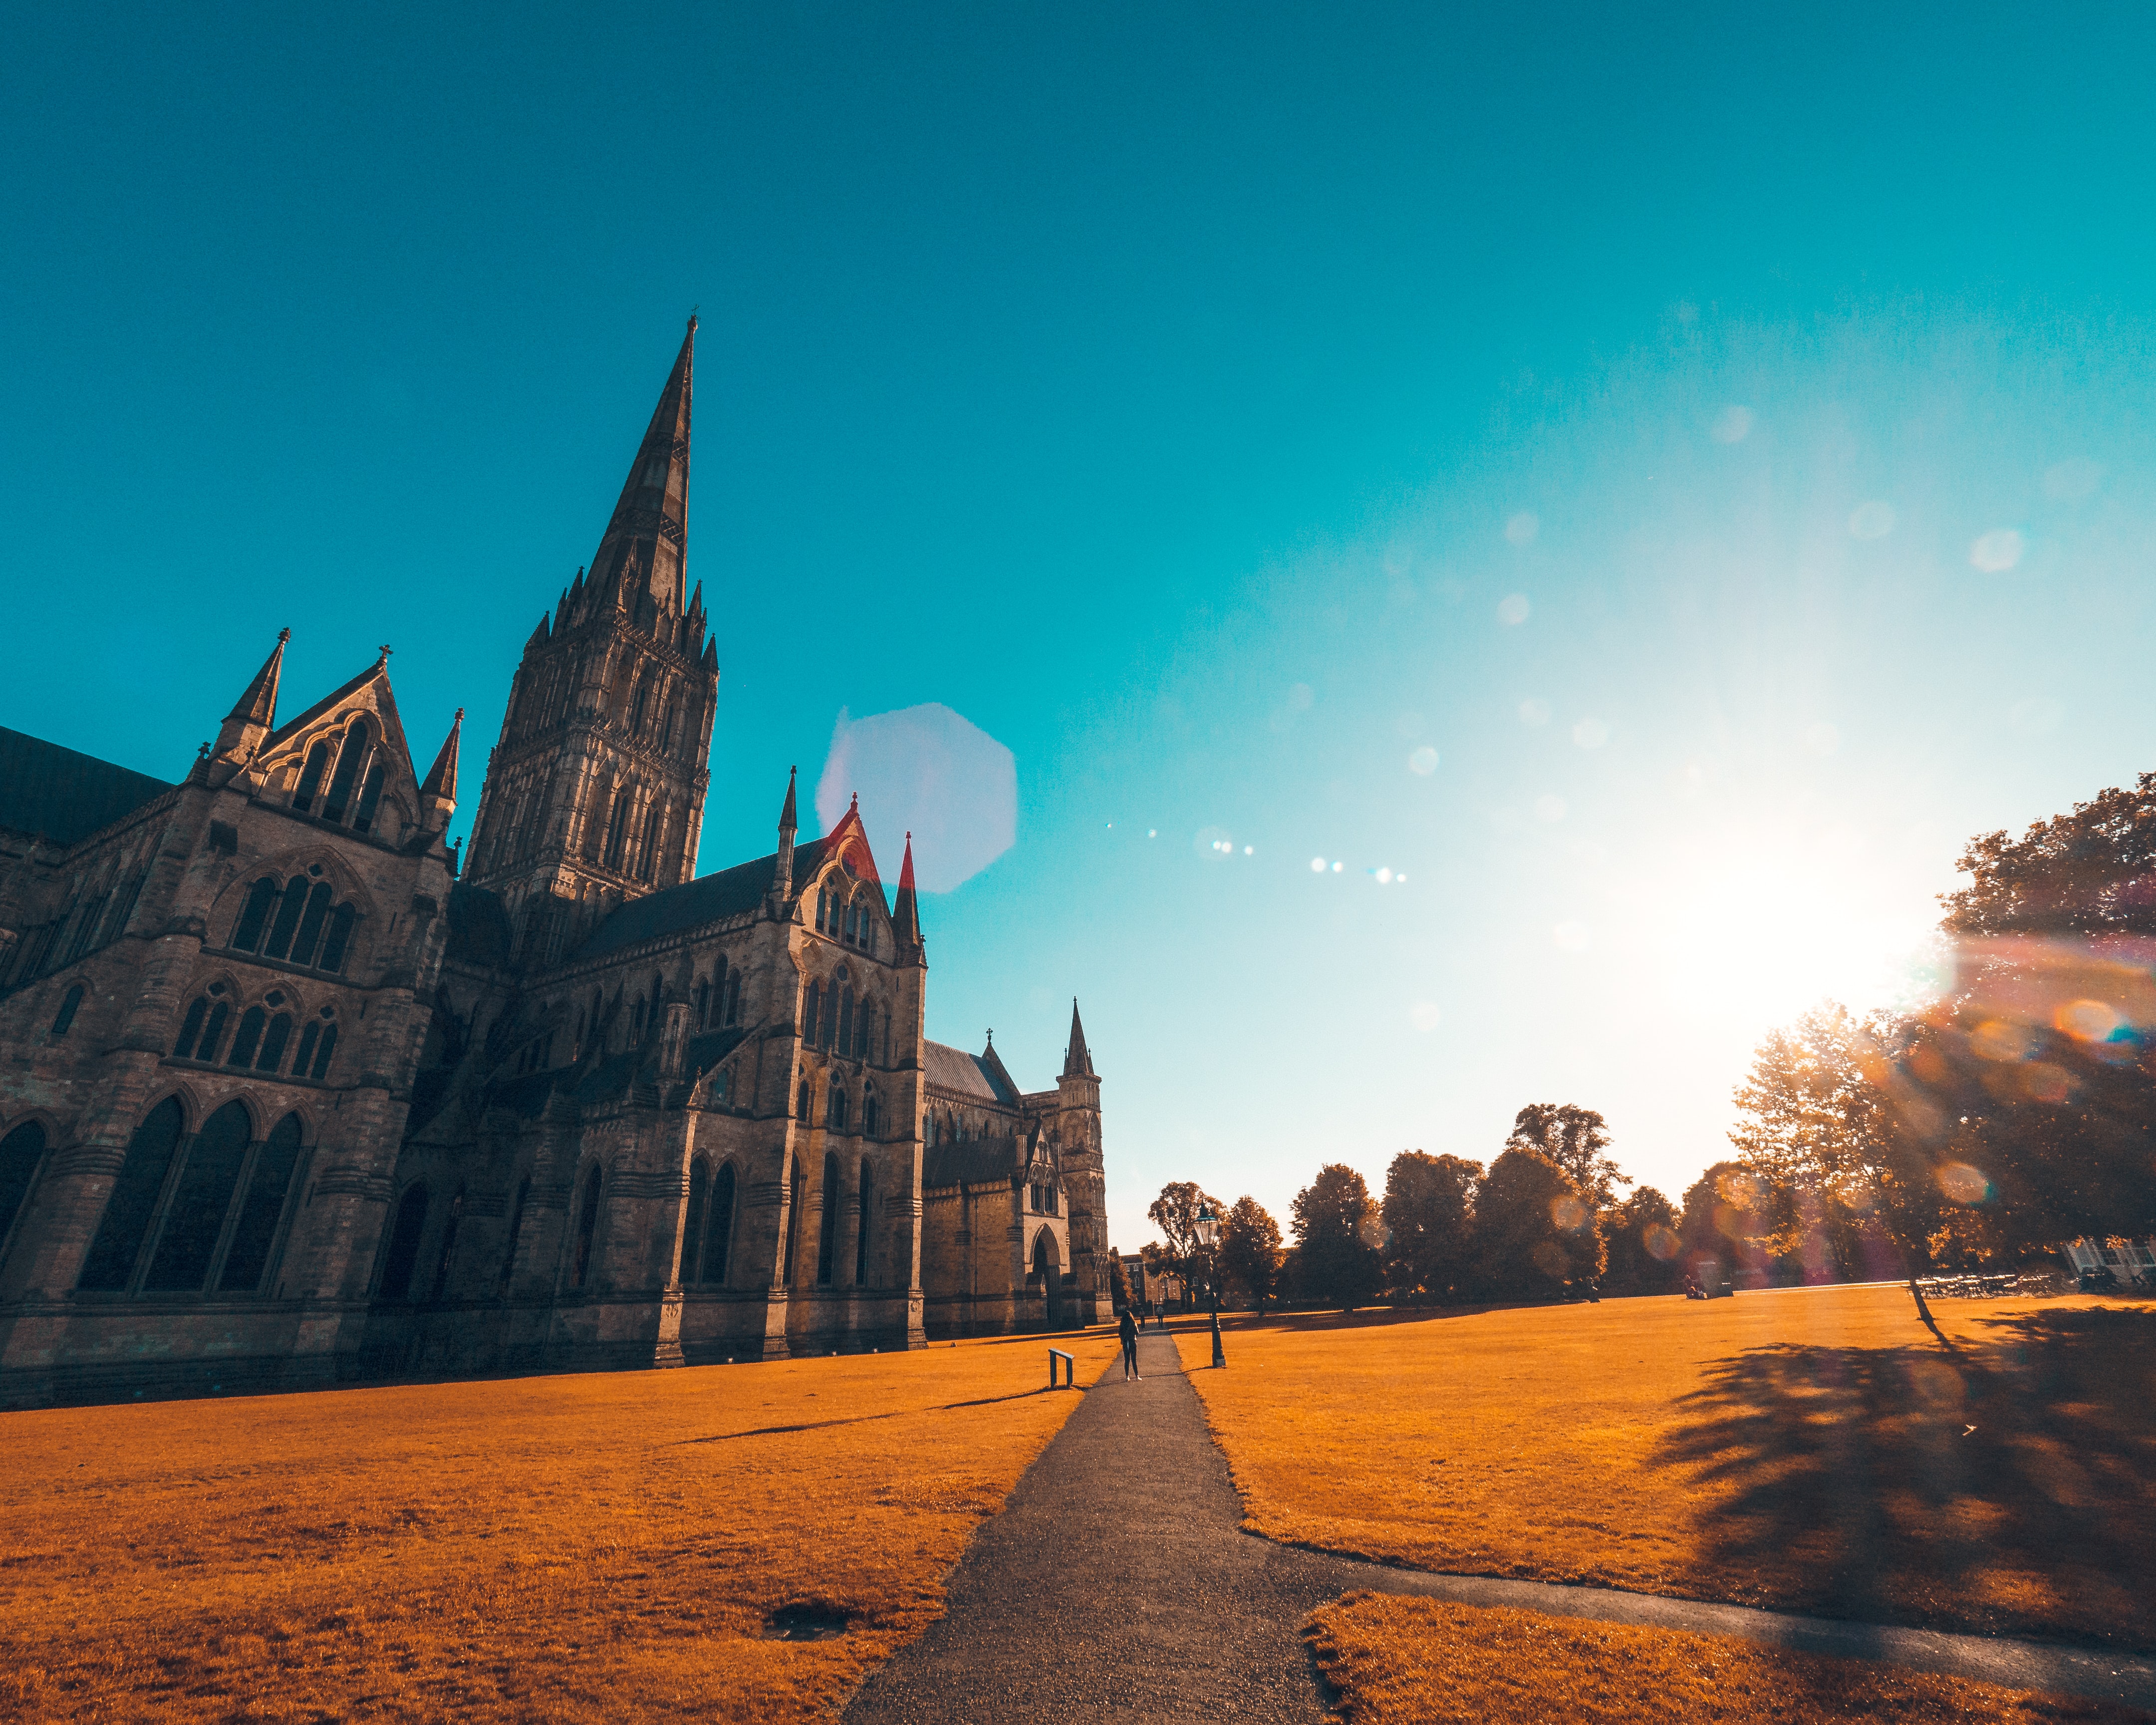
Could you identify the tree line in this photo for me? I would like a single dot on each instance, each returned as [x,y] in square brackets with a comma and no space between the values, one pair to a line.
[1547,1219]
[2015,1112]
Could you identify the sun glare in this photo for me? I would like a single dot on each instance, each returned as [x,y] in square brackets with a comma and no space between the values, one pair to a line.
[1746,928]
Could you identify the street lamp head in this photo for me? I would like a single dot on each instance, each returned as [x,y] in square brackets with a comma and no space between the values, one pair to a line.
[1209,1227]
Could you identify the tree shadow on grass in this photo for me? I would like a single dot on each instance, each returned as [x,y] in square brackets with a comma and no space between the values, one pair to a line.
[2011,1488]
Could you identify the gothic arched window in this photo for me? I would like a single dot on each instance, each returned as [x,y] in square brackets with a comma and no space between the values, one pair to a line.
[719,1232]
[317,1042]
[195,1218]
[647,859]
[862,1226]
[370,795]
[204,1027]
[801,1106]
[692,1222]
[351,757]
[516,1226]
[871,1115]
[248,1037]
[733,999]
[828,1233]
[587,1222]
[834,1114]
[703,1003]
[310,776]
[307,929]
[794,1196]
[444,1260]
[617,829]
[809,999]
[845,1020]
[70,1004]
[247,933]
[20,1152]
[404,1236]
[110,1264]
[261,1210]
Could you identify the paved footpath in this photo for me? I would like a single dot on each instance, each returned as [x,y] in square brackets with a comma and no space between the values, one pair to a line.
[1117,1582]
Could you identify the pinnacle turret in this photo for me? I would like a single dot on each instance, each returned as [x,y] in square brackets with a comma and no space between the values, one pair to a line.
[905,914]
[781,874]
[1077,1059]
[253,716]
[439,791]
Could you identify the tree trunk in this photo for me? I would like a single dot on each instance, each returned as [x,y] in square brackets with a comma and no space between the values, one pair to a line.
[1924,1312]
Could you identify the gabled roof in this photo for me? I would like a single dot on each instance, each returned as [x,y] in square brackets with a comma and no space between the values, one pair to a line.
[981,1075]
[730,892]
[713,898]
[978,1162]
[66,796]
[385,709]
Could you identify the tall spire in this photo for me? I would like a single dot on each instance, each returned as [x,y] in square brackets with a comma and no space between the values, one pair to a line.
[781,874]
[254,716]
[1077,1060]
[905,914]
[641,555]
[439,791]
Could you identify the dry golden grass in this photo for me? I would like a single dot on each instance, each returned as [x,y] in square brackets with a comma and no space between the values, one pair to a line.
[563,1549]
[1806,1448]
[1399,1661]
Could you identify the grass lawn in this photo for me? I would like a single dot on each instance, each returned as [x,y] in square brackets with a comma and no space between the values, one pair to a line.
[600,1547]
[1808,1450]
[1396,1661]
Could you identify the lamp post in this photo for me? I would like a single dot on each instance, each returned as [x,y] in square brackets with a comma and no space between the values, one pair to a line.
[1209,1236]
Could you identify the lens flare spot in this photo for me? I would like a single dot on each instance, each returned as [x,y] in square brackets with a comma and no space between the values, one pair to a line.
[2000,1040]
[1423,1015]
[1423,761]
[1733,425]
[1513,607]
[1213,841]
[1568,1213]
[1661,1242]
[1997,552]
[2088,1021]
[1522,527]
[1317,865]
[1962,1183]
[1336,868]
[2043,1082]
[1872,521]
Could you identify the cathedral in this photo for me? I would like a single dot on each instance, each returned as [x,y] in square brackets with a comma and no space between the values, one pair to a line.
[292,1092]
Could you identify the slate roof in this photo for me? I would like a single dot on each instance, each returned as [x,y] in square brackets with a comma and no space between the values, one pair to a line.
[713,899]
[66,796]
[970,1075]
[978,1162]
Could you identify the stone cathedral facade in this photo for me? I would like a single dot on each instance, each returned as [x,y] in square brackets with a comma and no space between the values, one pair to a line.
[288,1097]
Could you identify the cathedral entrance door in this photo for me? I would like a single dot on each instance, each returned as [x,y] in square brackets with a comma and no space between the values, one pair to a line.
[1047,1265]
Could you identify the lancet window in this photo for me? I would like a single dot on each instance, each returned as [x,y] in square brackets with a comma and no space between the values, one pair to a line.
[214,1226]
[355,766]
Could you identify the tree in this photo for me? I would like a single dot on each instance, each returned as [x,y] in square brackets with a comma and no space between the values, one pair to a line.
[1175,1214]
[1645,1252]
[1535,1233]
[1336,1229]
[1430,1218]
[1250,1251]
[2091,872]
[1119,1282]
[1575,1139]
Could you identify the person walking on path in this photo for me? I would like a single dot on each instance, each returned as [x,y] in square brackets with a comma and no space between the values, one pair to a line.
[1127,1329]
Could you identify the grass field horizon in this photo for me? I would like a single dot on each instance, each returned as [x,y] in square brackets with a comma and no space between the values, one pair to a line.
[1802,1449]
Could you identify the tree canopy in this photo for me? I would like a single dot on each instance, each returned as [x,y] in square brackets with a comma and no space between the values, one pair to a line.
[1250,1251]
[1336,1223]
[1429,1221]
[1536,1233]
[1576,1140]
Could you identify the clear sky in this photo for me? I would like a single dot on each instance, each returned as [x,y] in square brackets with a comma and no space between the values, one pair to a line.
[1657,479]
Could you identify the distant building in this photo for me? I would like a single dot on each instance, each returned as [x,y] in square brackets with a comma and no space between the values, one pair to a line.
[1148,1286]
[283,1102]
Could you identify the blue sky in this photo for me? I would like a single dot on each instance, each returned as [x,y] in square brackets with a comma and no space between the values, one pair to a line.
[1724,443]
